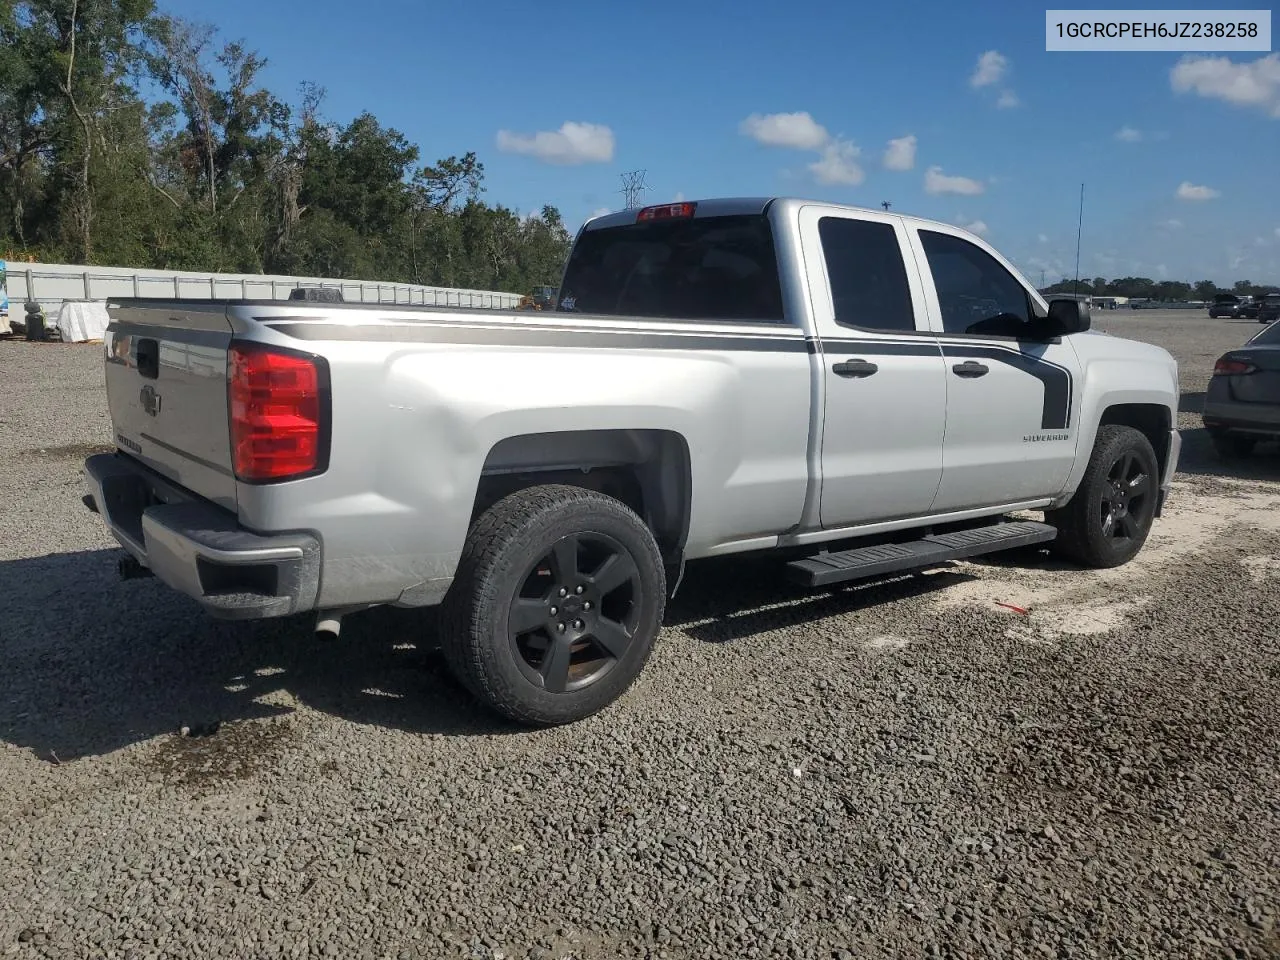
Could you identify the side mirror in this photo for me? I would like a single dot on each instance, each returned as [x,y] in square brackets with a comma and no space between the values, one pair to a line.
[1069,315]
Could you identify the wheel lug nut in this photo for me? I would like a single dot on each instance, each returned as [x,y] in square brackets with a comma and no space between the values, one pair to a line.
[586,605]
[578,588]
[564,592]
[559,628]
[577,624]
[554,611]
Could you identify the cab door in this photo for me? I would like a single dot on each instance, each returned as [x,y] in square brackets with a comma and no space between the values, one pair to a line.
[1012,393]
[884,382]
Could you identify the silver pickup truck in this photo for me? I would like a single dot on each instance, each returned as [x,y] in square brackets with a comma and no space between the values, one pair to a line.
[860,392]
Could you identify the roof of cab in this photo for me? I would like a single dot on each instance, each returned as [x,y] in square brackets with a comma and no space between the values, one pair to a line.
[730,206]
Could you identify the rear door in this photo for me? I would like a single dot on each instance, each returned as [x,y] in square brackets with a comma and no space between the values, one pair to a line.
[166,372]
[884,380]
[1012,402]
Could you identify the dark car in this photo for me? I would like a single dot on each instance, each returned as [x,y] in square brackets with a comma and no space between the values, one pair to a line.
[1269,308]
[1242,405]
[1233,307]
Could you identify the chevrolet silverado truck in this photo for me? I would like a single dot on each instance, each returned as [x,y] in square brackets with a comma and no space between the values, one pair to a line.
[859,392]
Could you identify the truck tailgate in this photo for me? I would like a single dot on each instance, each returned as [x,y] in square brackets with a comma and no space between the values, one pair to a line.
[166,372]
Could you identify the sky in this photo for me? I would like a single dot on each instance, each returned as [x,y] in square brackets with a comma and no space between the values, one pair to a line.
[949,111]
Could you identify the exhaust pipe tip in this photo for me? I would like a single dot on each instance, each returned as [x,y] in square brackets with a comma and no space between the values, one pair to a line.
[328,626]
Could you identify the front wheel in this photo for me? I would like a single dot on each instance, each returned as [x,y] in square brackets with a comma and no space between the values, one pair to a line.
[1108,519]
[555,605]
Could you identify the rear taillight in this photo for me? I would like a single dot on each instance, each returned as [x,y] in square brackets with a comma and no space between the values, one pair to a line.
[1229,366]
[279,408]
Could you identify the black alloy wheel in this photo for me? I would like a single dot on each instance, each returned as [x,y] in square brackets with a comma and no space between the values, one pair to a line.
[576,613]
[1127,499]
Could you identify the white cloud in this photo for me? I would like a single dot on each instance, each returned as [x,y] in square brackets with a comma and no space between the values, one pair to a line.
[679,198]
[1254,84]
[797,130]
[573,144]
[1007,99]
[1278,231]
[935,181]
[1190,191]
[991,67]
[1171,224]
[1128,134]
[1260,241]
[599,212]
[901,153]
[1043,238]
[838,165]
[977,226]
[1162,271]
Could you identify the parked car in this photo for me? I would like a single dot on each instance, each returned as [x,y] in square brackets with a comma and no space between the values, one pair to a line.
[1269,308]
[1242,404]
[1232,307]
[856,391]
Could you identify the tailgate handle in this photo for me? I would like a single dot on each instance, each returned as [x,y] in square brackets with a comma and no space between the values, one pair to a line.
[149,358]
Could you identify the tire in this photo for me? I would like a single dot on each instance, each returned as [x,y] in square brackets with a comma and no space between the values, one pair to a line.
[1232,448]
[539,643]
[1108,519]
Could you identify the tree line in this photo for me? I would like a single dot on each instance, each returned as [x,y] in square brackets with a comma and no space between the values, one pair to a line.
[131,137]
[1165,291]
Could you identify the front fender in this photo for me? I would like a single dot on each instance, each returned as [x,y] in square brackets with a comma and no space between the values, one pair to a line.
[1114,390]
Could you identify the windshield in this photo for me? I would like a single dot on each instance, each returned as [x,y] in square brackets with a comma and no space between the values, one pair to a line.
[707,268]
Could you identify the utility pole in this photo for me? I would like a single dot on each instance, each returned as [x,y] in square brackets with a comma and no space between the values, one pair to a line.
[886,204]
[1079,224]
[633,189]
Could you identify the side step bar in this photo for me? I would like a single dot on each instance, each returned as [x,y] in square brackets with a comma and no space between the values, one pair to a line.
[862,562]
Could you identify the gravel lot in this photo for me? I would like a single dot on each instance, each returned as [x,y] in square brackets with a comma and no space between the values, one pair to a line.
[904,769]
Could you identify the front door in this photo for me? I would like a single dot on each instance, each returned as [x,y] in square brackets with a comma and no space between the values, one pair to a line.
[1012,395]
[884,381]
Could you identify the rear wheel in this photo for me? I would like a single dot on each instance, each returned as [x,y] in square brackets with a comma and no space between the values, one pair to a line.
[1107,522]
[1232,448]
[555,606]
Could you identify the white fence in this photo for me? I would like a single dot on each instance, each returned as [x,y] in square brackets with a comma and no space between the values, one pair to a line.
[52,283]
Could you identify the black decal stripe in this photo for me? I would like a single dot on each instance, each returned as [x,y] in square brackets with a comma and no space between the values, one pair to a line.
[540,337]
[884,348]
[207,464]
[1057,380]
[1055,413]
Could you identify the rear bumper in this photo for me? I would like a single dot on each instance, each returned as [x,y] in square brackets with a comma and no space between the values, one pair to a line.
[199,549]
[1255,419]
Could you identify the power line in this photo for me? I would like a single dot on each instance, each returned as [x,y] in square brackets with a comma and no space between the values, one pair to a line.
[633,189]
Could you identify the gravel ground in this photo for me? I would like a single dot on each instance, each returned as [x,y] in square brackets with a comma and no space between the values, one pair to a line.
[903,769]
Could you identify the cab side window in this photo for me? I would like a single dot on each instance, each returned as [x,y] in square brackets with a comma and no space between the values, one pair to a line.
[975,293]
[869,287]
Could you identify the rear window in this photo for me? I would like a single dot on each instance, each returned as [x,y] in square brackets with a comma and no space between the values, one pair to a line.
[708,268]
[1269,336]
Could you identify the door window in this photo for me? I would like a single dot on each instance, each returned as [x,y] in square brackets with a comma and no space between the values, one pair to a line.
[976,294]
[868,278]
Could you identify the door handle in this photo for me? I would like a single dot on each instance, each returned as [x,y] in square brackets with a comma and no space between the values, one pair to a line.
[854,368]
[970,368]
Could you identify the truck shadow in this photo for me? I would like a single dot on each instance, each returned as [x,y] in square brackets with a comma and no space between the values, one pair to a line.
[93,665]
[728,599]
